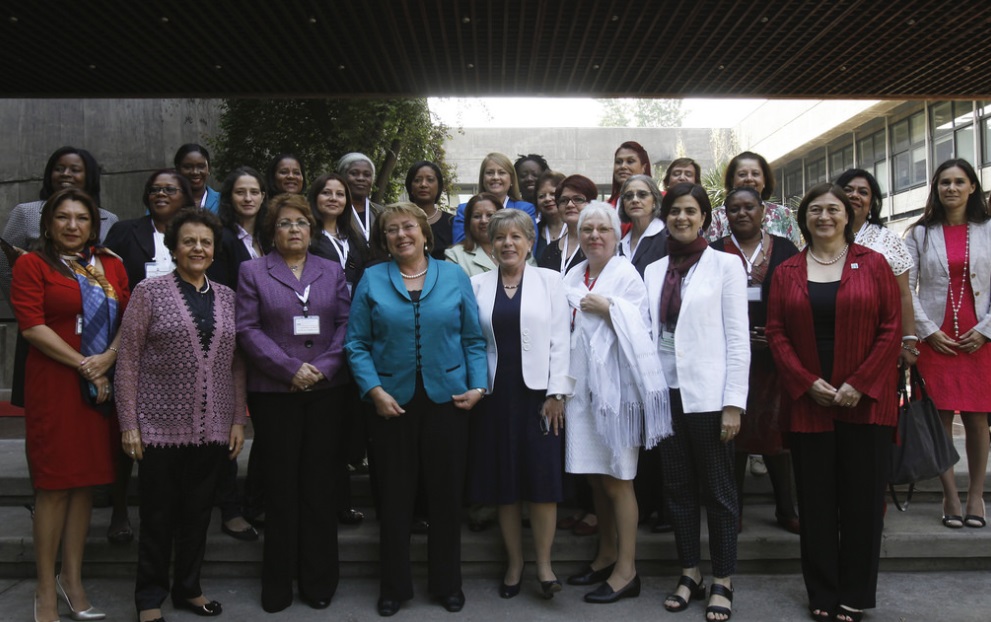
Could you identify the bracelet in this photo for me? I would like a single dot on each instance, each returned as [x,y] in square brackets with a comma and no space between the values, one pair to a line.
[911,349]
[910,338]
[113,349]
[480,391]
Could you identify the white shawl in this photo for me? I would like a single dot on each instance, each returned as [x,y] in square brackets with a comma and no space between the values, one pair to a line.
[615,363]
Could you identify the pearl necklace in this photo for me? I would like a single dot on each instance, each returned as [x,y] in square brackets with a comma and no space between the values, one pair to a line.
[831,261]
[412,276]
[957,302]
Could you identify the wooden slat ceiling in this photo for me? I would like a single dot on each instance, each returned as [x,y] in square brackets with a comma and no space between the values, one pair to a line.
[703,48]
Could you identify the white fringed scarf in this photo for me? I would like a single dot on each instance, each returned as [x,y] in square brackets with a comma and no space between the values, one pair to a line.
[615,363]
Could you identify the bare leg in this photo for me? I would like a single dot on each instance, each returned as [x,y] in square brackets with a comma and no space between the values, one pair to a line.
[977,440]
[73,543]
[607,549]
[543,517]
[951,497]
[50,510]
[625,515]
[510,523]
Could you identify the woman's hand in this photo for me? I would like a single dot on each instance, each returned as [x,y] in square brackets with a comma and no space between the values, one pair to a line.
[306,376]
[847,396]
[730,424]
[941,342]
[553,409]
[594,303]
[102,385]
[467,400]
[906,358]
[130,442]
[822,392]
[971,341]
[236,443]
[97,365]
[385,405]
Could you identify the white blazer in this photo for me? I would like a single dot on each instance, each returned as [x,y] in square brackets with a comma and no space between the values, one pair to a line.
[929,276]
[545,328]
[712,340]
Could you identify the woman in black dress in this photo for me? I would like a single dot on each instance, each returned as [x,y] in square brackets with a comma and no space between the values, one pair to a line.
[425,187]
[572,195]
[516,439]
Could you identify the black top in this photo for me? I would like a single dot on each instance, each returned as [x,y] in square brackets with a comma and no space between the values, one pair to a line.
[443,234]
[781,249]
[200,305]
[649,250]
[822,299]
[354,265]
[551,258]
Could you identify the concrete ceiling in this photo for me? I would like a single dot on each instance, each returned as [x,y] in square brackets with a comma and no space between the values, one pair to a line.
[604,48]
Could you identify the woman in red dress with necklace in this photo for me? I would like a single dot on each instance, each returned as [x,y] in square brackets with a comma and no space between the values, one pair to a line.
[951,249]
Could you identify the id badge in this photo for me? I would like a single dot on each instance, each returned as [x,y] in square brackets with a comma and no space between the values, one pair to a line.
[153,269]
[666,342]
[754,293]
[302,325]
[79,324]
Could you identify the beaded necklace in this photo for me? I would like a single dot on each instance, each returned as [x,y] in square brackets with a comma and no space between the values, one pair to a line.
[957,302]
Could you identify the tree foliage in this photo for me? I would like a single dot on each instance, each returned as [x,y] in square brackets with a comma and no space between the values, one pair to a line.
[641,113]
[394,133]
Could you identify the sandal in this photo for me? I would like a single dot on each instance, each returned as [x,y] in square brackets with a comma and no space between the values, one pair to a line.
[973,521]
[846,614]
[695,591]
[822,615]
[120,532]
[953,521]
[718,589]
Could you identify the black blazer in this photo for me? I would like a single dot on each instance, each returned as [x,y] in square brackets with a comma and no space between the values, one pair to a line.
[134,241]
[227,259]
[650,250]
[358,256]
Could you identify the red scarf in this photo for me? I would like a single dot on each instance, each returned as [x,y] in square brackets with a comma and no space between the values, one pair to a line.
[681,258]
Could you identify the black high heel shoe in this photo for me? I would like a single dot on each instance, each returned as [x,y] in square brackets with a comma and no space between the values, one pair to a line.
[509,591]
[209,610]
[549,588]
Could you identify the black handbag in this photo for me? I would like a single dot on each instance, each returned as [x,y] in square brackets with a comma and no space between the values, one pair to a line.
[923,450]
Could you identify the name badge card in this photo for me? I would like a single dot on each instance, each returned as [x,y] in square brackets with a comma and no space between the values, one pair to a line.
[666,342]
[303,325]
[754,293]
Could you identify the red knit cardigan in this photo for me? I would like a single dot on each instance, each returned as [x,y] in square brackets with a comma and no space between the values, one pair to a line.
[868,340]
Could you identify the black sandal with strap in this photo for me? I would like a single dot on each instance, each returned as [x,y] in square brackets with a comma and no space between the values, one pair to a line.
[695,591]
[718,589]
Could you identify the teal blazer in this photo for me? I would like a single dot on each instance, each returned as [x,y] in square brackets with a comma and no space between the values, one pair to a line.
[383,341]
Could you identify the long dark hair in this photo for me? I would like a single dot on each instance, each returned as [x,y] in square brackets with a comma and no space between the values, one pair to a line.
[346,221]
[632,145]
[226,210]
[48,250]
[874,215]
[92,181]
[935,213]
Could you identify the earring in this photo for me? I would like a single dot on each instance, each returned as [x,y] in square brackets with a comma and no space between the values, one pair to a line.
[47,237]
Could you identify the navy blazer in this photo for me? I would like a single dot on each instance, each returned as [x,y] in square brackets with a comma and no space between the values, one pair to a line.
[134,241]
[384,342]
[266,305]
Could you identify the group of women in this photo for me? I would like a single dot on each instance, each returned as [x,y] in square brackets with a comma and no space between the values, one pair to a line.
[610,338]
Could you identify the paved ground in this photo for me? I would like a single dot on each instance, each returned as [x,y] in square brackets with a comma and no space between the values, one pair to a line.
[951,597]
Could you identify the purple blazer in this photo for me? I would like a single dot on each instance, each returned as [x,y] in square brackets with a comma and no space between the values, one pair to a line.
[267,303]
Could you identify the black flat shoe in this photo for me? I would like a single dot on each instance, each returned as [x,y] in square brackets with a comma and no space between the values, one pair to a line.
[350,516]
[695,591]
[717,589]
[209,610]
[454,602]
[420,527]
[587,576]
[387,607]
[549,588]
[245,535]
[315,603]
[604,594]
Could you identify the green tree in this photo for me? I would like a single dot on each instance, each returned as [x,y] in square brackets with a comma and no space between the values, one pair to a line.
[641,113]
[394,133]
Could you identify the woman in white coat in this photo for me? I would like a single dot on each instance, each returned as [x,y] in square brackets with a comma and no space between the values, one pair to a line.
[697,299]
[516,437]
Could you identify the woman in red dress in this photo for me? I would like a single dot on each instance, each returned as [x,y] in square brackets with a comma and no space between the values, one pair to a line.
[951,250]
[68,298]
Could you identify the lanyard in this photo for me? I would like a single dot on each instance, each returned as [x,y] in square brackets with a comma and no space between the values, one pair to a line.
[304,299]
[589,284]
[565,258]
[749,263]
[342,248]
[367,225]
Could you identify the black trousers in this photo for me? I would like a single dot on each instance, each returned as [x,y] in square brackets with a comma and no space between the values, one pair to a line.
[300,440]
[177,489]
[841,477]
[697,462]
[429,439]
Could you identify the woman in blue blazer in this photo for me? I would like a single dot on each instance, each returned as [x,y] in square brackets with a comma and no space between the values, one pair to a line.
[418,354]
[498,176]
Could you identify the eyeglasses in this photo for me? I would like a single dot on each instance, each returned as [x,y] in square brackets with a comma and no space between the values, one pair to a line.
[578,201]
[639,194]
[407,229]
[169,191]
[289,224]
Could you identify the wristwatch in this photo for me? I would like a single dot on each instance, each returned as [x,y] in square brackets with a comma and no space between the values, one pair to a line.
[558,397]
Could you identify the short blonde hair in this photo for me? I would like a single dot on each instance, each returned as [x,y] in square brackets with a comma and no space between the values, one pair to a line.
[504,162]
[379,239]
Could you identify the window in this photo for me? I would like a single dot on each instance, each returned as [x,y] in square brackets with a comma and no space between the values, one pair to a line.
[953,131]
[908,151]
[793,182]
[871,156]
[840,159]
[815,168]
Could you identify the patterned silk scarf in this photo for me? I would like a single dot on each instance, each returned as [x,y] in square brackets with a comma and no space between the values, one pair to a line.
[100,317]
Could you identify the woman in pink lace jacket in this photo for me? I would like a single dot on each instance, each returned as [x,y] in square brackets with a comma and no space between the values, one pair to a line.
[180,389]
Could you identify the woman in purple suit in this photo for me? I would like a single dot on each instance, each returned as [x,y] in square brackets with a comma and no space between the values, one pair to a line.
[292,313]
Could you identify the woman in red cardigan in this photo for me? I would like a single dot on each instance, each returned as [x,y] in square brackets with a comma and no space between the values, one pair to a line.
[833,325]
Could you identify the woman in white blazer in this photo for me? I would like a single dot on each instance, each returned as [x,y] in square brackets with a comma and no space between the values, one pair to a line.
[698,304]
[516,441]
[950,277]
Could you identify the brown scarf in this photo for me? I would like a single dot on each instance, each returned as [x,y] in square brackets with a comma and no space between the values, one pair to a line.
[681,258]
